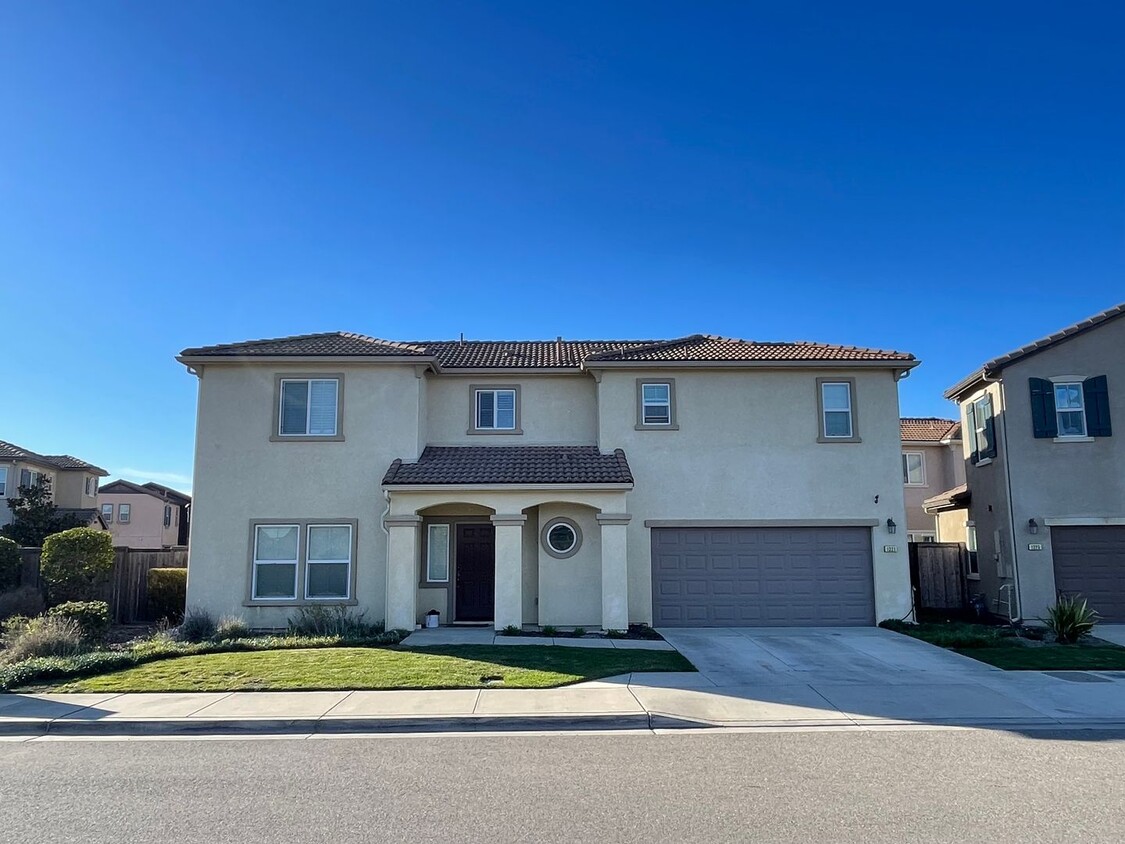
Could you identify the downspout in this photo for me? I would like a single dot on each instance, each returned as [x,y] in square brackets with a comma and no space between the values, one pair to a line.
[1018,617]
[387,512]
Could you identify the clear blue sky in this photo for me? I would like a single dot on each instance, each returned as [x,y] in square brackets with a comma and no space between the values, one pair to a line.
[947,179]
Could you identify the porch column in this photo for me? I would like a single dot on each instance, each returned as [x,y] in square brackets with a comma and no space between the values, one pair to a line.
[615,570]
[509,570]
[402,572]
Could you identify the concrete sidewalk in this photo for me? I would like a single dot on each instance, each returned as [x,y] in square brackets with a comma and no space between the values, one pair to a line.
[1004,700]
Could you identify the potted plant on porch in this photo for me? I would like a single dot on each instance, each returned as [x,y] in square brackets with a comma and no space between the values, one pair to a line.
[433,618]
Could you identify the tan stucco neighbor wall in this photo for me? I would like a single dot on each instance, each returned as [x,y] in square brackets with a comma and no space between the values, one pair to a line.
[747,448]
[944,469]
[241,475]
[145,528]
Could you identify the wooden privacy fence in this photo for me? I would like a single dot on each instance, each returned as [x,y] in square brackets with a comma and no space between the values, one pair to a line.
[127,593]
[936,569]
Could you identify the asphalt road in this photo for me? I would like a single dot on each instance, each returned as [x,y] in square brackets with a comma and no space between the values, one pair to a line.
[832,786]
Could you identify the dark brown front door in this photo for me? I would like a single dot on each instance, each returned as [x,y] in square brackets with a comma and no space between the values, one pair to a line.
[476,572]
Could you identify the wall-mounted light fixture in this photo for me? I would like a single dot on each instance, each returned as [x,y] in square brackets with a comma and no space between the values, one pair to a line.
[891,526]
[1032,526]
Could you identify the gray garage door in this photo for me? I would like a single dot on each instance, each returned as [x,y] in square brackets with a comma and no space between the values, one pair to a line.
[751,577]
[1090,561]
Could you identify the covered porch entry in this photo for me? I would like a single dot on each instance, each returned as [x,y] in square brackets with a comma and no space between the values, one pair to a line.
[508,555]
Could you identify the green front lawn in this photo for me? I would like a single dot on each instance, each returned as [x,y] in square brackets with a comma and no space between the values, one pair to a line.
[1006,648]
[453,667]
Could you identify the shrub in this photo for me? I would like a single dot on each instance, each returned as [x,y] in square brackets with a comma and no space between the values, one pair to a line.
[196,626]
[511,630]
[76,564]
[167,594]
[27,600]
[92,618]
[549,630]
[10,564]
[1070,619]
[319,620]
[578,632]
[42,636]
[231,627]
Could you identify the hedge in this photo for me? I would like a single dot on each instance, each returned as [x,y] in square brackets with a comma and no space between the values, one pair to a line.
[9,564]
[167,594]
[92,618]
[76,564]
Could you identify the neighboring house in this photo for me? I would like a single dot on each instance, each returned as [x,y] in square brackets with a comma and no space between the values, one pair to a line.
[700,481]
[144,515]
[1046,475]
[932,461]
[74,482]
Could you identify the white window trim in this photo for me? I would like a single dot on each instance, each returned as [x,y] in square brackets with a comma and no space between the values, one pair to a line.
[495,410]
[905,469]
[308,408]
[971,531]
[573,538]
[3,481]
[127,510]
[825,410]
[255,562]
[1075,382]
[430,548]
[347,596]
[108,520]
[911,536]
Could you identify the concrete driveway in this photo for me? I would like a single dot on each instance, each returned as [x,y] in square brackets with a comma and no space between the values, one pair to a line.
[737,656]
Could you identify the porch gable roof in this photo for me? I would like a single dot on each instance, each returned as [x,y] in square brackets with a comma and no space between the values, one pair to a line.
[511,465]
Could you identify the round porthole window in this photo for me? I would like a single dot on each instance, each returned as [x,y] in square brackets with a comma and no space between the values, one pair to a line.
[561,538]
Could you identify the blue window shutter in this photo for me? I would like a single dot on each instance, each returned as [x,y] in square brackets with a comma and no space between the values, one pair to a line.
[971,420]
[1095,393]
[1045,423]
[989,429]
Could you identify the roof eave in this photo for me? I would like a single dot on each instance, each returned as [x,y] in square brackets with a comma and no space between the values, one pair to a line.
[516,487]
[375,360]
[963,386]
[903,365]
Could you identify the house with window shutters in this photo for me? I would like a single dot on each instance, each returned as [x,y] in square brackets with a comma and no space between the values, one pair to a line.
[699,481]
[1045,492]
[148,516]
[74,482]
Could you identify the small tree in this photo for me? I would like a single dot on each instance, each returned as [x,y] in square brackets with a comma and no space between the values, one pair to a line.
[34,515]
[9,564]
[76,564]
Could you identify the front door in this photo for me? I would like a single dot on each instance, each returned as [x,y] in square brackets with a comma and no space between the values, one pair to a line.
[476,572]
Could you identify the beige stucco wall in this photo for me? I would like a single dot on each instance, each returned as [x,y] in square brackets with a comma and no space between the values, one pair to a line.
[1084,481]
[241,475]
[145,528]
[553,409]
[571,588]
[69,489]
[951,526]
[945,469]
[747,448]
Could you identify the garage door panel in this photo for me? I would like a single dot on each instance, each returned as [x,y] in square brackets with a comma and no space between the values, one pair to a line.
[762,577]
[1090,561]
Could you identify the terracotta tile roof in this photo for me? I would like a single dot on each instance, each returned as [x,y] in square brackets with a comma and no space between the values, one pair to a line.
[996,364]
[708,347]
[330,344]
[515,464]
[549,354]
[929,429]
[8,451]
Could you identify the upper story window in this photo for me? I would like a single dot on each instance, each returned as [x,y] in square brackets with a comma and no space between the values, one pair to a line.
[495,410]
[656,404]
[914,468]
[30,478]
[124,513]
[107,513]
[3,480]
[91,485]
[981,426]
[836,399]
[167,515]
[308,407]
[1071,408]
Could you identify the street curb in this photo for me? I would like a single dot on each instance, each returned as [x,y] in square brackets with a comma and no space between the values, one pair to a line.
[330,726]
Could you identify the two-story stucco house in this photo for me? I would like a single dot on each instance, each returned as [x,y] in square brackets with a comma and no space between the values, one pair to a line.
[932,461]
[700,481]
[74,482]
[144,515]
[1046,475]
